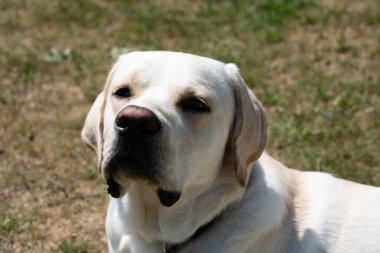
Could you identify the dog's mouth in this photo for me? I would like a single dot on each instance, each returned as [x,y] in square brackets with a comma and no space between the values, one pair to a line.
[167,198]
[127,165]
[132,168]
[120,169]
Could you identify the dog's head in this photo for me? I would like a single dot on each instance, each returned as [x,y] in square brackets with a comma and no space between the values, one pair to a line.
[173,120]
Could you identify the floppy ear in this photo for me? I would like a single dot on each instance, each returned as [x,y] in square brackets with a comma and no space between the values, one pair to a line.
[90,131]
[248,135]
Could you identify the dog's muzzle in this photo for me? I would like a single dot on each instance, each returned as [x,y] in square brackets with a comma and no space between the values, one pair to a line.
[137,130]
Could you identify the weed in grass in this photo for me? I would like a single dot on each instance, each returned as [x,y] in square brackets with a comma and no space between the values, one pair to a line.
[10,224]
[55,55]
[68,246]
[7,225]
[343,47]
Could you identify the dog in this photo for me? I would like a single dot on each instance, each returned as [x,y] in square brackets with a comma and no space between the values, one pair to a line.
[180,142]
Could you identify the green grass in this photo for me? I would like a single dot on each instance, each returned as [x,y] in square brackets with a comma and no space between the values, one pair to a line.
[10,224]
[314,66]
[72,247]
[7,225]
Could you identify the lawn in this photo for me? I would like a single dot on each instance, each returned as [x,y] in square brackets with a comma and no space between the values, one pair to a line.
[315,65]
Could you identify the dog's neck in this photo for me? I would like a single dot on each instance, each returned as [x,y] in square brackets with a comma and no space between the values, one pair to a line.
[235,194]
[178,223]
[144,216]
[173,248]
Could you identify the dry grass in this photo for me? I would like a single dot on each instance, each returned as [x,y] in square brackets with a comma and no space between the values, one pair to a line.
[315,66]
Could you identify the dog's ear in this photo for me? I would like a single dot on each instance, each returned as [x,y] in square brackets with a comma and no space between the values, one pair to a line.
[248,134]
[90,131]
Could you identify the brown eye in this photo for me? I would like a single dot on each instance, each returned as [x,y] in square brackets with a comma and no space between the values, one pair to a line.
[195,105]
[123,92]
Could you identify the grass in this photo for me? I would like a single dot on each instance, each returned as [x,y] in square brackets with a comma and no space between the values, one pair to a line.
[72,247]
[314,65]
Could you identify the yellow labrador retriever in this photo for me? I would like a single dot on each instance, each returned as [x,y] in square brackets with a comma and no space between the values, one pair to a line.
[180,139]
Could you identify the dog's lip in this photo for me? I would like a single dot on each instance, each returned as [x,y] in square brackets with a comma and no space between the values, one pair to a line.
[168,198]
[113,187]
[119,161]
[113,171]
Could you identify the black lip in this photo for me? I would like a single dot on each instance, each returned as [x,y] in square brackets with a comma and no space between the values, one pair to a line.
[113,188]
[168,198]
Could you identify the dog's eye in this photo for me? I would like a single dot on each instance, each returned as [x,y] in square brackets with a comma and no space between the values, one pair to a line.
[194,104]
[123,92]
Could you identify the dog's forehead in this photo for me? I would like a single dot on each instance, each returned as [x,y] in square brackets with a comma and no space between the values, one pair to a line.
[169,69]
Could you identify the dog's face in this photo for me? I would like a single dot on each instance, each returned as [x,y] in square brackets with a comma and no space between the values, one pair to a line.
[170,120]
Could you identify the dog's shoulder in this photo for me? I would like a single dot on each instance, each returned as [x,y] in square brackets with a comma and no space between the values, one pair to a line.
[305,211]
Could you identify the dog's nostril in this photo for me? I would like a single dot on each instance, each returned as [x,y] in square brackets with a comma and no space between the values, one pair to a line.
[121,121]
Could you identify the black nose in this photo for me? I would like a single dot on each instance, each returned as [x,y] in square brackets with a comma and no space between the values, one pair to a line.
[137,121]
